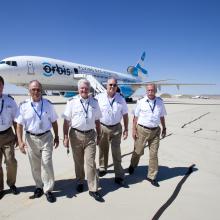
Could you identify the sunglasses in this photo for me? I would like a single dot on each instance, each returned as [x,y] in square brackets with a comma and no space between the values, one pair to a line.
[113,85]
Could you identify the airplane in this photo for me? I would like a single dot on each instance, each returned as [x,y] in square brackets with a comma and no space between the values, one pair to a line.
[63,76]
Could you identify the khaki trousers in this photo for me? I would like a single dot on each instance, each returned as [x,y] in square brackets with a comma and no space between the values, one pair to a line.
[40,150]
[111,135]
[84,144]
[153,139]
[7,142]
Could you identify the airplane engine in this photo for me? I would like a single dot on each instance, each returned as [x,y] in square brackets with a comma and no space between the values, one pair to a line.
[132,70]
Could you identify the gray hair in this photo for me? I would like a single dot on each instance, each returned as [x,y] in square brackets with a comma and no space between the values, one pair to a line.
[35,81]
[83,81]
[152,84]
[112,77]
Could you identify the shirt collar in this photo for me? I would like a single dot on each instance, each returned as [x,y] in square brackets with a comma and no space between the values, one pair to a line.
[150,100]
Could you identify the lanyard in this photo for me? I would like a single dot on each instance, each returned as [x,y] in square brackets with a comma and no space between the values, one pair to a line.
[85,109]
[112,102]
[2,106]
[152,108]
[41,110]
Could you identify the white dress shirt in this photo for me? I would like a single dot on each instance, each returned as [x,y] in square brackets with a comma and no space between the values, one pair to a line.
[82,113]
[112,108]
[8,109]
[36,117]
[149,111]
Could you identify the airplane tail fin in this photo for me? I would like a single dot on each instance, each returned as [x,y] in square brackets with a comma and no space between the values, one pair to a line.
[138,70]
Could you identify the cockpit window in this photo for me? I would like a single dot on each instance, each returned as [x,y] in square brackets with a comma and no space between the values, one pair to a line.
[14,63]
[10,63]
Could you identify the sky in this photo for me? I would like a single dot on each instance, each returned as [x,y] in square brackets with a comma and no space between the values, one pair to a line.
[181,37]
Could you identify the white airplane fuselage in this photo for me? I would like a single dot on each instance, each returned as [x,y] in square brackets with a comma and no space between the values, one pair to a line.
[55,74]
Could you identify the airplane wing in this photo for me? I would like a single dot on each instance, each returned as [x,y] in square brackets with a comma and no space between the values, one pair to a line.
[161,83]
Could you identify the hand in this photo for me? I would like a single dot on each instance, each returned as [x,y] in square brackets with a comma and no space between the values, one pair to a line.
[56,141]
[134,134]
[164,132]
[66,142]
[22,147]
[125,134]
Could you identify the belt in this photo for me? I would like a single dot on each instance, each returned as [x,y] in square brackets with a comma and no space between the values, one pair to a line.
[28,132]
[110,125]
[154,128]
[85,132]
[5,131]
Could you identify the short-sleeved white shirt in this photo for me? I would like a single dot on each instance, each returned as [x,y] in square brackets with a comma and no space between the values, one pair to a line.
[8,109]
[149,111]
[27,116]
[112,108]
[82,113]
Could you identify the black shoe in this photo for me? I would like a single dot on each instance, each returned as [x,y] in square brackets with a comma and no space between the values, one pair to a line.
[121,182]
[153,182]
[50,197]
[14,190]
[130,170]
[96,196]
[102,173]
[37,193]
[79,188]
[2,193]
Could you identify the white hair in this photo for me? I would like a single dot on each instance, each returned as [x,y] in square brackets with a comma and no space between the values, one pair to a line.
[83,81]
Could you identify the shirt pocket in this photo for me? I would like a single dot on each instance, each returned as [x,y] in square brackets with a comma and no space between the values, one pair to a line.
[144,111]
[46,117]
[28,114]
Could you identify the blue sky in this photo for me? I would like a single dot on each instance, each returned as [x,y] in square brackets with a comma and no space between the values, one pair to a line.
[181,37]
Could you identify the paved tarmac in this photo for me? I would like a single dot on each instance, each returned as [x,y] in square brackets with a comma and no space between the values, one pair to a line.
[193,137]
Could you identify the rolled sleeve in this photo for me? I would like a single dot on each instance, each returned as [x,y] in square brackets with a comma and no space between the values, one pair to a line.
[98,113]
[67,112]
[124,108]
[136,111]
[53,113]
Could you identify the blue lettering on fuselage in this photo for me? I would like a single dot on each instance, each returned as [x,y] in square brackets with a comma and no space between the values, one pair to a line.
[49,70]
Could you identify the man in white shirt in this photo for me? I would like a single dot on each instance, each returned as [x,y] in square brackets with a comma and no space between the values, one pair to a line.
[8,109]
[37,115]
[81,118]
[114,108]
[149,113]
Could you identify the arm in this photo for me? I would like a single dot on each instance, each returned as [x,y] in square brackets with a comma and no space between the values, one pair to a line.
[98,131]
[162,120]
[134,129]
[65,133]
[21,143]
[56,137]
[125,132]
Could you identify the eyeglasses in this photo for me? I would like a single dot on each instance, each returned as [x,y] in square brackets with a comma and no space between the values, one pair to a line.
[35,90]
[113,85]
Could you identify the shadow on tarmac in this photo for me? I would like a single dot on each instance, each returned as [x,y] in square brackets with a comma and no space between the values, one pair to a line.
[67,187]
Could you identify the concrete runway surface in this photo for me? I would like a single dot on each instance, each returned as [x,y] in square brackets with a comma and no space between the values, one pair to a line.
[193,138]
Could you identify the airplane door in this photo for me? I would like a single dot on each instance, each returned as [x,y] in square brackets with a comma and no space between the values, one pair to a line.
[30,67]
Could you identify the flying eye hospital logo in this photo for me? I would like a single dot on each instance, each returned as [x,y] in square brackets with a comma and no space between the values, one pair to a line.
[49,70]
